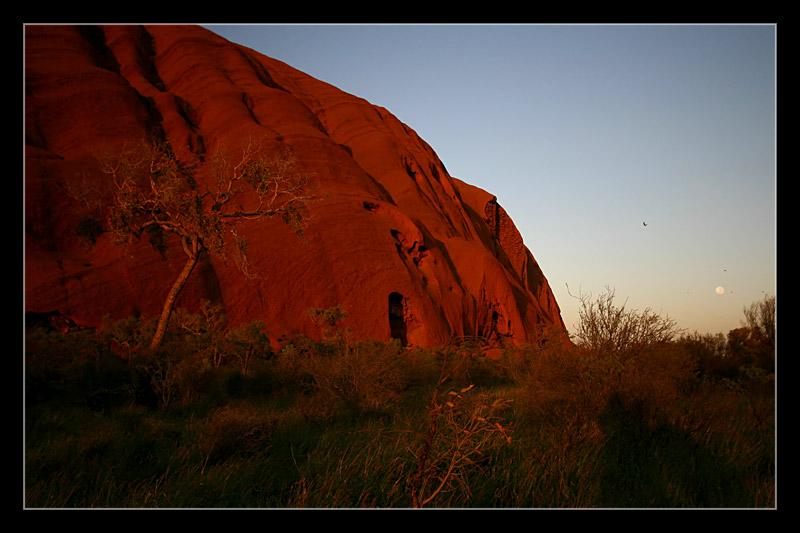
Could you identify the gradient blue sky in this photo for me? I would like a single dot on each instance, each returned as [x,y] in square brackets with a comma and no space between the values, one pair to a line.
[583,132]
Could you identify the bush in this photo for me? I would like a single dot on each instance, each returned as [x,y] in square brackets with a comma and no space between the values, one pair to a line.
[173,374]
[710,355]
[745,352]
[605,327]
[760,321]
[656,380]
[558,382]
[464,429]
[367,376]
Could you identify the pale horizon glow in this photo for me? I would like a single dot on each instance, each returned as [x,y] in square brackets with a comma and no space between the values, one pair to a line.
[585,133]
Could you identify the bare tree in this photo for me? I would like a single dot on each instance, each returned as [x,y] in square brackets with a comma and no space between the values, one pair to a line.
[605,327]
[760,318]
[760,323]
[156,194]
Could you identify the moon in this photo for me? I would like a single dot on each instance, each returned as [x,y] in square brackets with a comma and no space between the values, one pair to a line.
[720,290]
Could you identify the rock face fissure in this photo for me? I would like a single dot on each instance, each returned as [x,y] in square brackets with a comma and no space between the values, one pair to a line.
[397,317]
[392,227]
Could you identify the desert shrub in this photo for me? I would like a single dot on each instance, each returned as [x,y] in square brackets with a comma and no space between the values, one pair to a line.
[421,367]
[469,363]
[463,431]
[619,352]
[206,334]
[247,344]
[655,380]
[755,341]
[557,382]
[172,374]
[201,333]
[517,362]
[710,355]
[127,337]
[329,322]
[556,385]
[193,356]
[761,320]
[160,375]
[367,376]
[605,327]
[290,365]
[743,358]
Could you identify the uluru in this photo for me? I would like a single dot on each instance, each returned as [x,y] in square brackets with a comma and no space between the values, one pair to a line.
[408,250]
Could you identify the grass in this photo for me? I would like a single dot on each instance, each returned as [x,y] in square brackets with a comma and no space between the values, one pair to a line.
[340,424]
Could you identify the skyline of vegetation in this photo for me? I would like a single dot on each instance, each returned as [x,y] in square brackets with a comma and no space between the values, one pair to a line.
[218,418]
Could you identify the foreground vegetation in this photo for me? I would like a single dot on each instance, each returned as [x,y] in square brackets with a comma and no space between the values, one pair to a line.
[217,418]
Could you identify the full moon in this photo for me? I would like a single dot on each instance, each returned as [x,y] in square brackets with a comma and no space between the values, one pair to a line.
[720,290]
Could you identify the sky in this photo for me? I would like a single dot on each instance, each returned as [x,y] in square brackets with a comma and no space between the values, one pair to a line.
[585,133]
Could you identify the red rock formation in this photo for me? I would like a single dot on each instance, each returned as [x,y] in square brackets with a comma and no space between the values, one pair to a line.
[406,249]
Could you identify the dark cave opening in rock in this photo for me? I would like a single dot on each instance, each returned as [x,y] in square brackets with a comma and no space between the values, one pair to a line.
[397,322]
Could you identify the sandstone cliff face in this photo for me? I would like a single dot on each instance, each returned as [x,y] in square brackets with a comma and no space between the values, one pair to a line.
[406,249]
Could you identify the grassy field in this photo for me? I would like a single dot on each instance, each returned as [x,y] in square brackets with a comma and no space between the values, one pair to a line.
[219,420]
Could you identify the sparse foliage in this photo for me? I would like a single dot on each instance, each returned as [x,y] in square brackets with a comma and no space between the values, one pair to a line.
[365,377]
[605,327]
[206,334]
[330,321]
[760,319]
[155,194]
[464,426]
[744,350]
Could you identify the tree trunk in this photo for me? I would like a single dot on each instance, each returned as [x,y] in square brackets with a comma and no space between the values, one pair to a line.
[193,252]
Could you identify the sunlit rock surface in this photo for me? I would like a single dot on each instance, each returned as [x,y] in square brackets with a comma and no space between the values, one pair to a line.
[406,249]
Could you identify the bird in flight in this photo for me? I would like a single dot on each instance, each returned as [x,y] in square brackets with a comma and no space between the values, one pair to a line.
[644,223]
